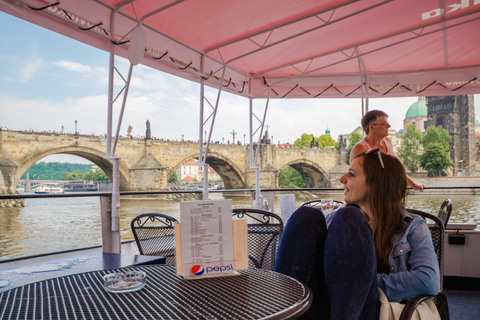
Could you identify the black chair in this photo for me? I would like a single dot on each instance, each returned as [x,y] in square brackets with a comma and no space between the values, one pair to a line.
[264,231]
[155,235]
[437,230]
[445,211]
[319,204]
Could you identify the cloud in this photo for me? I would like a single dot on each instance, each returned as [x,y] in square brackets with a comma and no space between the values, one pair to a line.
[29,68]
[73,66]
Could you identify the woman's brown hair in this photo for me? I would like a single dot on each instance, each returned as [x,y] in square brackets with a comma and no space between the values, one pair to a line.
[387,192]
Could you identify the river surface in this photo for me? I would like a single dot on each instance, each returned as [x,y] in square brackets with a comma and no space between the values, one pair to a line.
[48,225]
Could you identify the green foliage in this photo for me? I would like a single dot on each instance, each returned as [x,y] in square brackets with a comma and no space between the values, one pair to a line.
[304,141]
[173,178]
[436,157]
[354,139]
[65,171]
[54,170]
[410,150]
[433,135]
[98,175]
[290,176]
[75,175]
[323,141]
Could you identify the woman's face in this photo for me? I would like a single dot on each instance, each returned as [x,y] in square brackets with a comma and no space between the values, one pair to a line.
[354,183]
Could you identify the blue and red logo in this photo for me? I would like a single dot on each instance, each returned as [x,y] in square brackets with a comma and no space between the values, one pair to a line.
[197,270]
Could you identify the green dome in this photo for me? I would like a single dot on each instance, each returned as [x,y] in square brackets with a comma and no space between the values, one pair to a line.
[477,123]
[418,109]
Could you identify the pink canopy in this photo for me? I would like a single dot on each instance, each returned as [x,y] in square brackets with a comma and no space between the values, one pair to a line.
[285,48]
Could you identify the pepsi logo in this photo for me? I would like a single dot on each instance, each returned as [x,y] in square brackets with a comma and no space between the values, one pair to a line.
[197,270]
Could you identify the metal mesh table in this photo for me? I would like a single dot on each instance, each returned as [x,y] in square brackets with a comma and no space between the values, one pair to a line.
[254,294]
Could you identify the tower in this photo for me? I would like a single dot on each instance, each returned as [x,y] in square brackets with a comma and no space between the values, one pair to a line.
[456,114]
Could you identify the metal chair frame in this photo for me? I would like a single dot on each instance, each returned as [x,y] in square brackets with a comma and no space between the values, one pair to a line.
[264,232]
[155,235]
[318,203]
[438,237]
[445,211]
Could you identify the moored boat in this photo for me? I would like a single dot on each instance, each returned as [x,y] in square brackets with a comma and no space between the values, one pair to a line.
[48,189]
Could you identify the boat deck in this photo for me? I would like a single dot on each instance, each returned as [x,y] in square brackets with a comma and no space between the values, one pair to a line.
[463,304]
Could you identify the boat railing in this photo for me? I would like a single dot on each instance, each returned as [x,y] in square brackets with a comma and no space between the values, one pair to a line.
[108,237]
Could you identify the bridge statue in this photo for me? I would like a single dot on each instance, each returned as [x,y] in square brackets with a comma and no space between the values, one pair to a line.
[129,132]
[148,134]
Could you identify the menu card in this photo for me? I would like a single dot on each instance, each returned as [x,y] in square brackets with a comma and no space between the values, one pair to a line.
[206,238]
[287,206]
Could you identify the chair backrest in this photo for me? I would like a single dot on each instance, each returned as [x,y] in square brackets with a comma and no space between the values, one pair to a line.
[264,232]
[437,231]
[155,235]
[320,204]
[445,211]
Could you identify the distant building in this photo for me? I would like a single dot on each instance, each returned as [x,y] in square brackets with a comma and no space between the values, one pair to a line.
[285,145]
[190,171]
[417,114]
[456,114]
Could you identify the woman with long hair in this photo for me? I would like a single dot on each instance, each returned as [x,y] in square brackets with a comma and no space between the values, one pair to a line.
[372,243]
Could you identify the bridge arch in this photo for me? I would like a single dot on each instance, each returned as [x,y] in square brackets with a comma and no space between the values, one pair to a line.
[93,155]
[314,175]
[230,173]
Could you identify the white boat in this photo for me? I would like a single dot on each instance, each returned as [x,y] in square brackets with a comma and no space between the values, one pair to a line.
[48,189]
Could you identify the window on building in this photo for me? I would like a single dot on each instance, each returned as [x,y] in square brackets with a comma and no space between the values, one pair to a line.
[425,125]
[440,122]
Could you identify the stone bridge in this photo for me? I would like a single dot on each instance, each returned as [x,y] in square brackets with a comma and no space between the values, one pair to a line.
[147,164]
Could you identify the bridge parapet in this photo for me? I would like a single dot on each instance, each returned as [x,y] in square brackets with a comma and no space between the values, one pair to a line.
[147,164]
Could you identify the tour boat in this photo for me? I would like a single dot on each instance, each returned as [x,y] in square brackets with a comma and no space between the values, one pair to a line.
[48,189]
[277,49]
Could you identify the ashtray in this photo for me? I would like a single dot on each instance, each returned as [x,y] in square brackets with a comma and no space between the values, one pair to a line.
[121,282]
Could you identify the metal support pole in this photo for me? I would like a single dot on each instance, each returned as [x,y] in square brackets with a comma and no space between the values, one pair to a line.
[205,181]
[201,160]
[258,196]
[110,99]
[120,118]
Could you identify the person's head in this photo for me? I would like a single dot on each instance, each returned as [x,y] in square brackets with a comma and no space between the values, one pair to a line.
[377,183]
[373,177]
[375,118]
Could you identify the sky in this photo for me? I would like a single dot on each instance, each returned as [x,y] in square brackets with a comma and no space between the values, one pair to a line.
[48,81]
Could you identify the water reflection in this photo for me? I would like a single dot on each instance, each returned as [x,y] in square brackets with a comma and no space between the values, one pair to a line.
[48,225]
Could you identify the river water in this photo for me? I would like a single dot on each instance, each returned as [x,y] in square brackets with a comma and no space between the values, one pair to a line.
[48,225]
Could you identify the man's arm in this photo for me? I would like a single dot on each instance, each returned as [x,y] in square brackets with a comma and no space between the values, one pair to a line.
[414,185]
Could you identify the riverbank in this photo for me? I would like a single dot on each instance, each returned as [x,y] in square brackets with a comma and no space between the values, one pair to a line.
[453,182]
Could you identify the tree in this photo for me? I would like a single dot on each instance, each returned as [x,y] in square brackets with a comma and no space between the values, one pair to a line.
[410,150]
[75,175]
[98,175]
[436,157]
[290,176]
[173,178]
[304,141]
[325,141]
[355,137]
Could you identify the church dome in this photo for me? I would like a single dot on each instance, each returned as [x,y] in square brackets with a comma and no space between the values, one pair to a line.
[418,109]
